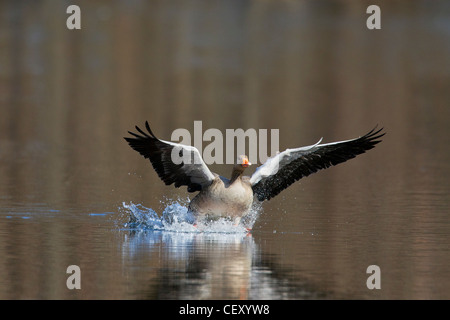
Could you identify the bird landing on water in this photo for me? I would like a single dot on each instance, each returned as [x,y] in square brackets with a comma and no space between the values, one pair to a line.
[232,198]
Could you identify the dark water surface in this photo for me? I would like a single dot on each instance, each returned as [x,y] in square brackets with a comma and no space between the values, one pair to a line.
[309,68]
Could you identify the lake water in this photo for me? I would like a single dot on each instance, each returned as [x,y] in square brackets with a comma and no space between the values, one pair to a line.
[69,183]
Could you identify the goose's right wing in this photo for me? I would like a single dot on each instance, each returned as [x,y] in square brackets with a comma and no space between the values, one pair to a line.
[192,173]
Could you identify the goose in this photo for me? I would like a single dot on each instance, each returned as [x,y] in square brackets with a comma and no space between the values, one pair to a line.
[219,197]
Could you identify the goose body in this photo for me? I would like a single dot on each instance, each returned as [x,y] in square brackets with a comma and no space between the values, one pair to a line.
[233,198]
[224,199]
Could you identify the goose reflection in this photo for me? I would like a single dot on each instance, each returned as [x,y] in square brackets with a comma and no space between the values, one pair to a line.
[207,266]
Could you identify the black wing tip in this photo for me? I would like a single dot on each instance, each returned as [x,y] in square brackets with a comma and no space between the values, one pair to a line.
[143,134]
[374,135]
[147,126]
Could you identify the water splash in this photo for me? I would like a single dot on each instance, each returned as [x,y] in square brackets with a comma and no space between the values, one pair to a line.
[177,218]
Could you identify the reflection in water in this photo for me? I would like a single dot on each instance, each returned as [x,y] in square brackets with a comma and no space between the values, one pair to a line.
[211,266]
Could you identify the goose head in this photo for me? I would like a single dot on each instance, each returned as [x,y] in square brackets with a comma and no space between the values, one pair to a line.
[241,164]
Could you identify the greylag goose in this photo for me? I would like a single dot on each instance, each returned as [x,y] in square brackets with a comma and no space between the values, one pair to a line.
[233,198]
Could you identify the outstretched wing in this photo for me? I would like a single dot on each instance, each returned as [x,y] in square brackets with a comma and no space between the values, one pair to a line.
[192,173]
[280,171]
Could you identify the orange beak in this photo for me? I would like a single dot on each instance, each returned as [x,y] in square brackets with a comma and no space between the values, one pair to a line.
[246,163]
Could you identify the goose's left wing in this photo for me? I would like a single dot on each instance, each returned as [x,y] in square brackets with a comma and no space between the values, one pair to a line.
[280,171]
